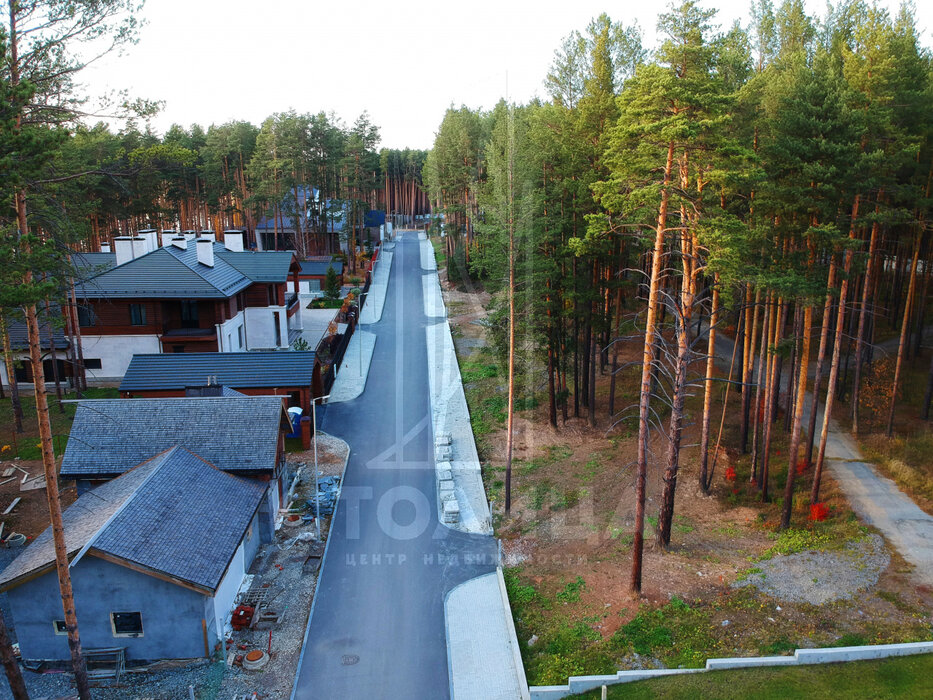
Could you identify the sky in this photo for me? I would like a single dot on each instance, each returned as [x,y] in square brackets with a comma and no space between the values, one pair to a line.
[405,62]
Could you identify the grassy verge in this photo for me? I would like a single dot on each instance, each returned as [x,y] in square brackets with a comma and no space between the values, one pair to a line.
[907,459]
[905,677]
[25,445]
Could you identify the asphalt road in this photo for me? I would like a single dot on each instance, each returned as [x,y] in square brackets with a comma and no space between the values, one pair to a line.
[377,624]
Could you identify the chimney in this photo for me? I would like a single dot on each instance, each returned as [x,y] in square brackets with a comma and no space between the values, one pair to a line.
[208,234]
[206,252]
[140,246]
[189,234]
[180,242]
[104,247]
[123,247]
[167,237]
[233,241]
[152,238]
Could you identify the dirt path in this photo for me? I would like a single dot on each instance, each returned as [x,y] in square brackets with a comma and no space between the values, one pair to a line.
[874,497]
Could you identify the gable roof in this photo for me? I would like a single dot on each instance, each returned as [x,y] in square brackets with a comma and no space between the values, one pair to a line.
[172,273]
[126,518]
[168,371]
[269,266]
[166,273]
[318,268]
[236,434]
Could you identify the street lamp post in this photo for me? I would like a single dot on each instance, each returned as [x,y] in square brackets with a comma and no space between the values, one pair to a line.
[317,492]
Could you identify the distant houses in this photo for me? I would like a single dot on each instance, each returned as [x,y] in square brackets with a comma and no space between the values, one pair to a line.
[190,295]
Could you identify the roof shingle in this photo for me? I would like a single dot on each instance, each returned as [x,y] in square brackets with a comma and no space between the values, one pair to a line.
[172,372]
[126,518]
[110,436]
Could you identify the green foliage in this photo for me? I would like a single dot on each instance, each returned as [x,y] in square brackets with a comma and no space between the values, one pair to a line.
[571,592]
[904,677]
[331,284]
[677,633]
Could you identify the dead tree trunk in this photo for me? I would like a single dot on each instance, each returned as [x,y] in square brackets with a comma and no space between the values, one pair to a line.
[641,473]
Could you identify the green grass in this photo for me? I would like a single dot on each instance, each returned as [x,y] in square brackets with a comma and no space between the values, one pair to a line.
[905,677]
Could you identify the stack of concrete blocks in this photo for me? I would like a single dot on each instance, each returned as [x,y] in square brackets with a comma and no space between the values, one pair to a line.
[445,479]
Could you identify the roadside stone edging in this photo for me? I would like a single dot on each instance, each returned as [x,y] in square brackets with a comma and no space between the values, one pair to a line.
[456,457]
[801,657]
[320,572]
[513,637]
[372,311]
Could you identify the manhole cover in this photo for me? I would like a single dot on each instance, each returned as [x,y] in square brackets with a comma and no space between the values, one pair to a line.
[349,659]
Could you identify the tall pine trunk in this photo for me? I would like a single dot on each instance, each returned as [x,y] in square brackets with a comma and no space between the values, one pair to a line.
[794,448]
[820,358]
[834,364]
[860,333]
[902,345]
[708,389]
[641,474]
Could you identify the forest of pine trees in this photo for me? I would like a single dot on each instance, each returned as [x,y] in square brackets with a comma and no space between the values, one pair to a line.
[767,186]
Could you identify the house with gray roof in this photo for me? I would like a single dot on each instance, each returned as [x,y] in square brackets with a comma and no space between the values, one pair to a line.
[157,556]
[296,375]
[241,435]
[313,274]
[192,294]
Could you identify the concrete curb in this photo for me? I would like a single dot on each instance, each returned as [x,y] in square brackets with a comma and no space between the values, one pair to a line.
[801,657]
[349,384]
[320,572]
[513,636]
[372,311]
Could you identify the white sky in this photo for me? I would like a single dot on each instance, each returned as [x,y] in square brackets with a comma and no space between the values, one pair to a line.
[405,62]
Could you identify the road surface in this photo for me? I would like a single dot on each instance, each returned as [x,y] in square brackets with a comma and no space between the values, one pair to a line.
[377,626]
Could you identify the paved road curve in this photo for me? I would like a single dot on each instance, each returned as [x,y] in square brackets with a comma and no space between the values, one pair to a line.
[377,624]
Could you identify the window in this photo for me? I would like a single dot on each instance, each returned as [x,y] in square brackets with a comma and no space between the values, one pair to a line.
[92,363]
[137,315]
[86,316]
[278,329]
[126,624]
[59,627]
[239,336]
[189,314]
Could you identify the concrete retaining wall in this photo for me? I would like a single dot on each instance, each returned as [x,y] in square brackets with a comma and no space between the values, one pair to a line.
[580,684]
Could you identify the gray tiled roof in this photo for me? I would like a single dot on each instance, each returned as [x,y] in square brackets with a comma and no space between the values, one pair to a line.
[209,511]
[270,266]
[89,264]
[166,273]
[236,434]
[317,268]
[169,371]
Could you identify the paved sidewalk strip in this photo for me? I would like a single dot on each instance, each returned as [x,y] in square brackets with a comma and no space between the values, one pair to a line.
[482,651]
[376,297]
[351,379]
